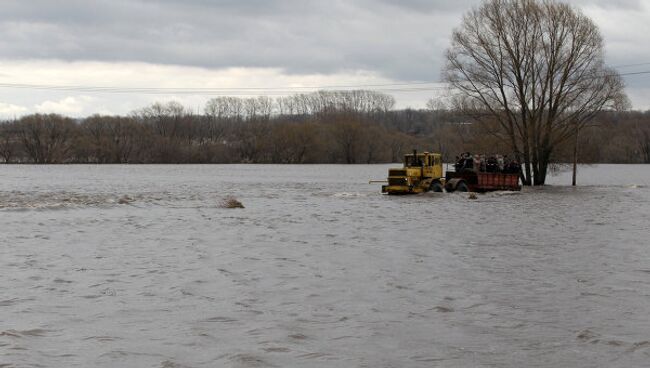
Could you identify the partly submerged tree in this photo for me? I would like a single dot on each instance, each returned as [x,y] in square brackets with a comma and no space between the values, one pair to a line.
[535,69]
[46,138]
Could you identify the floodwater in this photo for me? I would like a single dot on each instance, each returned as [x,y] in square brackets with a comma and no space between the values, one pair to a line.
[139,266]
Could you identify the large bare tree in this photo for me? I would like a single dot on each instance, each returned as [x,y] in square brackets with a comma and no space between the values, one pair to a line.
[536,69]
[46,139]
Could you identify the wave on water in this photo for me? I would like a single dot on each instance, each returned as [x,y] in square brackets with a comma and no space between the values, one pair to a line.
[57,200]
[506,193]
[636,186]
[23,333]
[67,200]
[26,201]
[349,194]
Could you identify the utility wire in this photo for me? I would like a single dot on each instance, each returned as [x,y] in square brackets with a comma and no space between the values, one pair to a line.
[212,89]
[634,73]
[233,91]
[629,65]
[397,87]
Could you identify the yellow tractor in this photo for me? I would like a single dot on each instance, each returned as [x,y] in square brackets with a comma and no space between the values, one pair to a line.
[422,172]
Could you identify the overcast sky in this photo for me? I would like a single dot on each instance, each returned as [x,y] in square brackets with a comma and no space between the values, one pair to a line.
[273,44]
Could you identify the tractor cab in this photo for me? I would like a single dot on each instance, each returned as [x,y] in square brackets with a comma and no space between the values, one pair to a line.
[420,173]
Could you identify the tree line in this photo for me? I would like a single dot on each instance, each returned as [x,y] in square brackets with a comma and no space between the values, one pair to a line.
[320,127]
[348,127]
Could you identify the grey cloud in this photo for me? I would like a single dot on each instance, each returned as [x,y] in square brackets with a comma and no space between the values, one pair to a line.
[612,4]
[432,5]
[403,40]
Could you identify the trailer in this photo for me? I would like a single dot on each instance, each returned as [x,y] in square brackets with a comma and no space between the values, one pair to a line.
[472,181]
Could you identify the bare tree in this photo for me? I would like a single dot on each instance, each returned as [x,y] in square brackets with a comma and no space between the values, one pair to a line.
[347,134]
[46,138]
[291,143]
[94,131]
[537,68]
[165,118]
[643,139]
[8,141]
[286,105]
[264,107]
[217,108]
[123,134]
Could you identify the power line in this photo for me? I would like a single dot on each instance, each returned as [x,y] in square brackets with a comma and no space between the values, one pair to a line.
[214,89]
[634,73]
[396,87]
[630,65]
[246,91]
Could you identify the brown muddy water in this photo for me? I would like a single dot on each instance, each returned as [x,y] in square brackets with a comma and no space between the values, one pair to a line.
[139,266]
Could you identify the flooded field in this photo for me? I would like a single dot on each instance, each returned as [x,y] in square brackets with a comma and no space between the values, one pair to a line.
[139,266]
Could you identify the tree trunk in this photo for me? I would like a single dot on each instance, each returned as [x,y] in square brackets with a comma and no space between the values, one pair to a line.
[543,167]
[575,159]
[526,179]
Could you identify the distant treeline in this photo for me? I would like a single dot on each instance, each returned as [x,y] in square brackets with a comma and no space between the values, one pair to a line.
[323,127]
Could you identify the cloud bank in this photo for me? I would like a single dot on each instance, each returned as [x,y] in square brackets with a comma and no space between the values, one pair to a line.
[394,41]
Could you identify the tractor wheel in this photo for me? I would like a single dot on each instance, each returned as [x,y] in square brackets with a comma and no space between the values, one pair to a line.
[449,187]
[462,187]
[436,187]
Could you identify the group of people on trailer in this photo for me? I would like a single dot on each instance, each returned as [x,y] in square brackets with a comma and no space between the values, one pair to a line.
[482,163]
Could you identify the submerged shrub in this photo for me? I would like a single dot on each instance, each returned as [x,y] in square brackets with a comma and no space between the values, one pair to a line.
[231,202]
